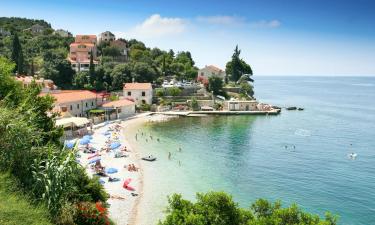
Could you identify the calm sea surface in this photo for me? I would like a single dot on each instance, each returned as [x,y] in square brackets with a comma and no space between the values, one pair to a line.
[246,155]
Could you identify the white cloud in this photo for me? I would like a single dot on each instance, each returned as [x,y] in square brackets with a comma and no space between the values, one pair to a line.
[265,24]
[157,26]
[221,20]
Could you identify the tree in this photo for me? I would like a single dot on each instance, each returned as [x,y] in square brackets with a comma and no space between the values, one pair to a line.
[91,66]
[17,55]
[57,68]
[215,84]
[121,74]
[219,208]
[237,67]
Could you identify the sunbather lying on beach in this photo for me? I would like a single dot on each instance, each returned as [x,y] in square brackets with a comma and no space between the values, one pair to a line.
[113,179]
[131,168]
[117,197]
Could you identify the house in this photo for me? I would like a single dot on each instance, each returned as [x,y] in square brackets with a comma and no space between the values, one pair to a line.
[140,93]
[81,50]
[36,28]
[238,105]
[122,108]
[4,33]
[209,71]
[45,84]
[106,36]
[121,45]
[75,103]
[62,33]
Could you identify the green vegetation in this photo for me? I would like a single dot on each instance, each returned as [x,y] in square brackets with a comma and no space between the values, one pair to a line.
[31,151]
[194,104]
[238,73]
[219,208]
[36,52]
[15,208]
[215,85]
[46,54]
[237,66]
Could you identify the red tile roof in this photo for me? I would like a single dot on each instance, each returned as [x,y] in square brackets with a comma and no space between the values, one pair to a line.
[72,96]
[136,86]
[212,67]
[118,103]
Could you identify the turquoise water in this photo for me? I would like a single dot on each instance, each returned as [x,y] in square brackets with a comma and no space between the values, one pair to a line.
[246,155]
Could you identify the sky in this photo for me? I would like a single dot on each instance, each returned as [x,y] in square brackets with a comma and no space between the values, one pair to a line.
[276,37]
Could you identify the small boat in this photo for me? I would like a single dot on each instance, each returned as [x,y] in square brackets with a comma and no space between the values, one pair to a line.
[352,155]
[291,108]
[300,109]
[149,158]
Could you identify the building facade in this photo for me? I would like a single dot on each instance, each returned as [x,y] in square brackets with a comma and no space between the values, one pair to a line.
[237,105]
[106,36]
[46,85]
[121,108]
[81,50]
[75,103]
[209,71]
[140,93]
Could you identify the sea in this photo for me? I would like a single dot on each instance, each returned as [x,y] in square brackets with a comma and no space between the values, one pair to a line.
[296,157]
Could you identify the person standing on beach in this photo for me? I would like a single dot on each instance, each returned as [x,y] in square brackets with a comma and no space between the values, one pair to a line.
[180,149]
[169,155]
[136,137]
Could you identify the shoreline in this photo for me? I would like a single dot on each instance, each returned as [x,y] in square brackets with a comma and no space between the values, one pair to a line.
[131,126]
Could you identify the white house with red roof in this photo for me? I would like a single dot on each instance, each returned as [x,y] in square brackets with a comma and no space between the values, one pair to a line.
[140,93]
[122,108]
[75,102]
[209,71]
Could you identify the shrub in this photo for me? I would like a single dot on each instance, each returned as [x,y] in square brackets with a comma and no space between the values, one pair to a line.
[219,208]
[174,91]
[89,213]
[145,107]
[159,93]
[194,104]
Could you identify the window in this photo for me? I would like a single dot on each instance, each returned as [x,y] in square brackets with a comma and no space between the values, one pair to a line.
[86,105]
[64,109]
[77,106]
[71,107]
[129,93]
[92,103]
[143,93]
[80,115]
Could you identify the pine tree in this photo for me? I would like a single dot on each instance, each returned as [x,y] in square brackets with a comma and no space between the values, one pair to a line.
[236,64]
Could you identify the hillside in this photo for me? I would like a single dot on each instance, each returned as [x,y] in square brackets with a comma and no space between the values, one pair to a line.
[45,54]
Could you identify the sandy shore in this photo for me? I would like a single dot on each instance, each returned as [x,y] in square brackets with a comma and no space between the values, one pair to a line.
[124,206]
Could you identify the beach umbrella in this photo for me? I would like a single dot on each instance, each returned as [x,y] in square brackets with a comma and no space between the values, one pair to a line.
[84,141]
[111,170]
[115,145]
[69,144]
[126,185]
[87,137]
[94,160]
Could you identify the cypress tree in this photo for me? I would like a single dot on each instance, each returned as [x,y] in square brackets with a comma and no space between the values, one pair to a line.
[91,66]
[236,64]
[17,56]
